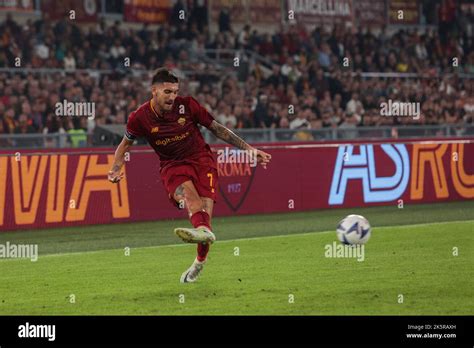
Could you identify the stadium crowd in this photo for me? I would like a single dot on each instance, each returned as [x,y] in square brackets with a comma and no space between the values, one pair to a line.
[314,80]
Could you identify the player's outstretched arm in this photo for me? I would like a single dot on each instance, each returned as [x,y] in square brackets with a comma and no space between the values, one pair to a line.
[114,174]
[224,133]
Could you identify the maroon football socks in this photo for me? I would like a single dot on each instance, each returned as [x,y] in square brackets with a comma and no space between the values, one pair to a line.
[201,218]
[202,250]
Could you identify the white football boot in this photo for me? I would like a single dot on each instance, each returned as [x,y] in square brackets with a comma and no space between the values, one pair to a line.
[193,272]
[200,234]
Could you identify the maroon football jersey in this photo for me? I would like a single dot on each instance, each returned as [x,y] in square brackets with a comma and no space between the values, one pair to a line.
[174,135]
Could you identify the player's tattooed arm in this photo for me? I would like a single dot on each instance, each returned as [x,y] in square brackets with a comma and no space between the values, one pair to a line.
[228,136]
[115,167]
[114,175]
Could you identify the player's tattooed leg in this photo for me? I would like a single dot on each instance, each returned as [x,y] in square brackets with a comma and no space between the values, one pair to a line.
[188,193]
[179,197]
[179,190]
[208,204]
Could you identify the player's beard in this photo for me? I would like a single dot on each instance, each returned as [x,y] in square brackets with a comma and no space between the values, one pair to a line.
[162,107]
[166,107]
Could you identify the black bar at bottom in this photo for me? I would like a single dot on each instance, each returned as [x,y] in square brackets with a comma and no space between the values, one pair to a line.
[411,330]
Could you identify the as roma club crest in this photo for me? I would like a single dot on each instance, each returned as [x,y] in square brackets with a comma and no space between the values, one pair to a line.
[181,121]
[235,181]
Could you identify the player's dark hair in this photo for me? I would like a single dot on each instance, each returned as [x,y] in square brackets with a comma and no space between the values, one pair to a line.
[163,75]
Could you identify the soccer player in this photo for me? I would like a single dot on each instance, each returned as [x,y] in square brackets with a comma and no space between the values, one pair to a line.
[187,167]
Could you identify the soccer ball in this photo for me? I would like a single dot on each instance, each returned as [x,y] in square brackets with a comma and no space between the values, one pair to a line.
[353,229]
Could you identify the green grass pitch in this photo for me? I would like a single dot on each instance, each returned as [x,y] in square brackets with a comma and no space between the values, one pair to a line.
[280,269]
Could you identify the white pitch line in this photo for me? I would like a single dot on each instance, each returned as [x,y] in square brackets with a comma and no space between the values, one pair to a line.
[238,239]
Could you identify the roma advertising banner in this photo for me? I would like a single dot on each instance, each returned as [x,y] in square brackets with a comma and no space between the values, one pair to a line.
[147,11]
[321,12]
[17,5]
[55,189]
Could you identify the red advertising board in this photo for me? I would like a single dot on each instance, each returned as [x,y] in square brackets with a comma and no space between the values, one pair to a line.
[79,10]
[147,11]
[53,189]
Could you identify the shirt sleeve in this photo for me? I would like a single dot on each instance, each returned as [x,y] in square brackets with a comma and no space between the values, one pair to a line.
[199,113]
[133,130]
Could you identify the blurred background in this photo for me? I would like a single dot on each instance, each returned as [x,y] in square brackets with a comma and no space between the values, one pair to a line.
[288,70]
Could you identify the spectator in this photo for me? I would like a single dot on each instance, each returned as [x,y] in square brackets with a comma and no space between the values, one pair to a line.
[243,40]
[24,128]
[284,123]
[302,120]
[3,141]
[354,104]
[276,78]
[69,62]
[349,126]
[262,112]
[245,120]
[9,123]
[77,135]
[224,20]
[227,118]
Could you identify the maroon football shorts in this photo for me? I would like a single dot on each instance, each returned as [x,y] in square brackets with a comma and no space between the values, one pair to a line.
[201,171]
